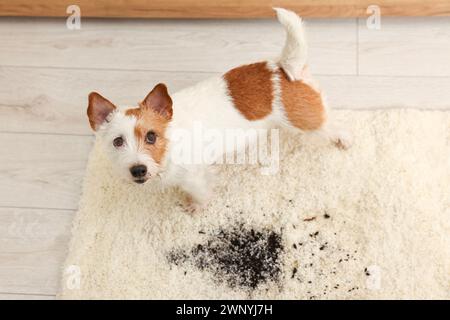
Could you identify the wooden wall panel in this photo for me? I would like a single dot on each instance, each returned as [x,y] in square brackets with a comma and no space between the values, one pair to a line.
[222,8]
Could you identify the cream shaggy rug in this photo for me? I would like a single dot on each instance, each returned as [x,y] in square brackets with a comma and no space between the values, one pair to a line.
[370,222]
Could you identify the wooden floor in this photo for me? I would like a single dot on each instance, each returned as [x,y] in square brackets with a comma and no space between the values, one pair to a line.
[46,72]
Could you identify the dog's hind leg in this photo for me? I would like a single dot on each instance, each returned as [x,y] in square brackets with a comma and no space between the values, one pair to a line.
[340,137]
[302,103]
[305,108]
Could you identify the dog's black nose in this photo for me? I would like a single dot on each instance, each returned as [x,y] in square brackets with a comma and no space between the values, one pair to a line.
[138,171]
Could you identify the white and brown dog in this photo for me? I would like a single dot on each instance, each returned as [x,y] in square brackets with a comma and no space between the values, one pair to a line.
[140,140]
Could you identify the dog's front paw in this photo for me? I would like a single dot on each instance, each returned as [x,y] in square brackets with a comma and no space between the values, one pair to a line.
[192,207]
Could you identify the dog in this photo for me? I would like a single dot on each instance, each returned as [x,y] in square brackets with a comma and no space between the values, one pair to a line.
[141,141]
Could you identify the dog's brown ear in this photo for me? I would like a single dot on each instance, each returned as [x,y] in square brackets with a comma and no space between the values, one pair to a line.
[98,109]
[159,101]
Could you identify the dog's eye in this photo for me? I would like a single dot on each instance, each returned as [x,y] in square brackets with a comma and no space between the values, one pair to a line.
[150,138]
[118,142]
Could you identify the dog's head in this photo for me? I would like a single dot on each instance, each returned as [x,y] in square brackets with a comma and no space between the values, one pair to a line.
[134,138]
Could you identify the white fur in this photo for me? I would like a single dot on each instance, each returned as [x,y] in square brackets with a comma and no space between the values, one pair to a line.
[294,55]
[278,111]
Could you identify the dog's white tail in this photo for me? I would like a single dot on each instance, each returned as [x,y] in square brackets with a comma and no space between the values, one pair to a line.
[294,54]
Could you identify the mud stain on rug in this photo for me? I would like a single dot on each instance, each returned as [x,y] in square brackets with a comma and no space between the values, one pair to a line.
[240,256]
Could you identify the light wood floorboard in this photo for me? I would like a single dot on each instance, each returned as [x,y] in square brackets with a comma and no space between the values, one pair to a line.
[55,100]
[33,244]
[405,47]
[42,170]
[202,46]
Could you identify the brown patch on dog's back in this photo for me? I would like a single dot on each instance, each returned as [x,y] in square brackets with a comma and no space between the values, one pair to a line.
[251,89]
[148,120]
[302,103]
